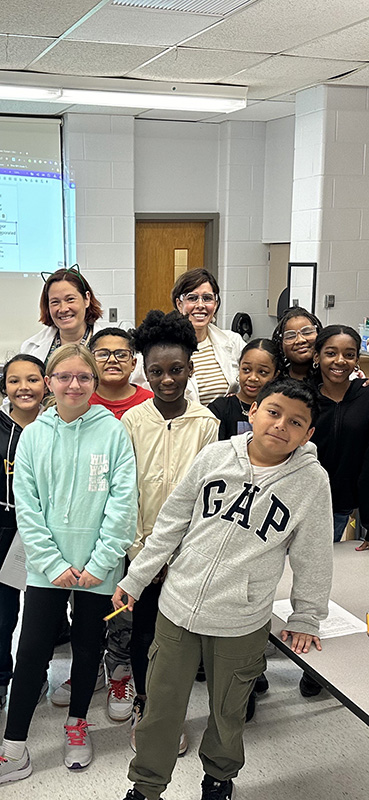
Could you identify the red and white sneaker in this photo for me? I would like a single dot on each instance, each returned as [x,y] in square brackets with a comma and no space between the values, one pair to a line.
[61,696]
[77,744]
[121,694]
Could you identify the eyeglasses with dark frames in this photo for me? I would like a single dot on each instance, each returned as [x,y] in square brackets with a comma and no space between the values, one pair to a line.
[104,354]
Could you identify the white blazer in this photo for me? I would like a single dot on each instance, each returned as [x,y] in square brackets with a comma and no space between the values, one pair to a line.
[39,344]
[227,346]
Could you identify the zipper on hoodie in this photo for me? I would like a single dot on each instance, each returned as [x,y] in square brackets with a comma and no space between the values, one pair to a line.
[167,459]
[210,574]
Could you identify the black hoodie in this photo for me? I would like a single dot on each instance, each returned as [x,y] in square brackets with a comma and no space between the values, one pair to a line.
[342,438]
[10,432]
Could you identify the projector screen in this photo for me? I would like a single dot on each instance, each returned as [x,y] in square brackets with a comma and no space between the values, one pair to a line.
[31,195]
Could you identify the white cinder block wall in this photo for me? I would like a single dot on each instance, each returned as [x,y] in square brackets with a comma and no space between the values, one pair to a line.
[99,150]
[243,258]
[123,165]
[330,216]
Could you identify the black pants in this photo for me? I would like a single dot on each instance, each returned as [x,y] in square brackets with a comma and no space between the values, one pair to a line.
[9,610]
[43,610]
[143,629]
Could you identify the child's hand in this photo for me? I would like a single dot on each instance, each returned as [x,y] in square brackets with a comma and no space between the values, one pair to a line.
[68,578]
[118,602]
[87,580]
[301,641]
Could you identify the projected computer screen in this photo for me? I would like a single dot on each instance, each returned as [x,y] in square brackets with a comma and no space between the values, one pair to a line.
[31,195]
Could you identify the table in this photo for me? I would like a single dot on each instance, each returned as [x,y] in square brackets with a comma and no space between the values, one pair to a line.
[343,664]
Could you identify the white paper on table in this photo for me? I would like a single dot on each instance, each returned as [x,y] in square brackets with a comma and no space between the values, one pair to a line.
[13,572]
[338,623]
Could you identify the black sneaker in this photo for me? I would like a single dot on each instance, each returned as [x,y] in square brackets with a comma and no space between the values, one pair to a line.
[200,675]
[261,684]
[217,790]
[134,794]
[308,686]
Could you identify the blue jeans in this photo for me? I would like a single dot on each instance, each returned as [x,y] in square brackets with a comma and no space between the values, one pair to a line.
[9,610]
[340,521]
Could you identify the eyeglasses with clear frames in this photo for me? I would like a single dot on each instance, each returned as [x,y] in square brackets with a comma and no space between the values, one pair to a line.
[192,297]
[104,354]
[65,378]
[307,333]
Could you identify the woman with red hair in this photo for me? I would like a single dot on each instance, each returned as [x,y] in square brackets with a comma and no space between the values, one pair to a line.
[69,311]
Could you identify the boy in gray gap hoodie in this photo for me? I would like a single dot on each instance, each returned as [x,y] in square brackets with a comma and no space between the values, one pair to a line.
[226,529]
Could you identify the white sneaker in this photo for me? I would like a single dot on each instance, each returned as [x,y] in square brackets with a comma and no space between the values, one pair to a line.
[14,769]
[183,744]
[61,696]
[121,694]
[137,714]
[77,744]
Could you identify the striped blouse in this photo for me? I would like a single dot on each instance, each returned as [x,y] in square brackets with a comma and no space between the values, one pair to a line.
[210,378]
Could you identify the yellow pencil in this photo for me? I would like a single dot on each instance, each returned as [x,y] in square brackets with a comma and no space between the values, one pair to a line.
[367,624]
[114,613]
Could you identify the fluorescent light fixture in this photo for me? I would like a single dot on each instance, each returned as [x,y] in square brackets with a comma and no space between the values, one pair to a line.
[28,93]
[219,99]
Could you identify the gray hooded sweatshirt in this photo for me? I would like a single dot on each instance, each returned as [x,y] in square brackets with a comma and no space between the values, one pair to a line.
[227,537]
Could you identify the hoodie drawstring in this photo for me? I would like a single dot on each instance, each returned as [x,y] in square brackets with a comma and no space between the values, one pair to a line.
[75,461]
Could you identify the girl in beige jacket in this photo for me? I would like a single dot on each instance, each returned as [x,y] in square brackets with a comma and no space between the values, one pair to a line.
[167,432]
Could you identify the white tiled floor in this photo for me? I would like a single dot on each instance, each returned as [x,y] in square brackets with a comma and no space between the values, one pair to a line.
[311,749]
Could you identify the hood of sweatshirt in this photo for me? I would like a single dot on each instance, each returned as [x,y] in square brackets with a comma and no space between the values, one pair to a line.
[74,432]
[148,410]
[300,458]
[355,389]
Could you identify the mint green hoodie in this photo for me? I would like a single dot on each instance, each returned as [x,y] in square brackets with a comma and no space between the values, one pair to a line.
[75,497]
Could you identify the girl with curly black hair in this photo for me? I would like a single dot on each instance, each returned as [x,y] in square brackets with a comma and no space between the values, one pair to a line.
[167,432]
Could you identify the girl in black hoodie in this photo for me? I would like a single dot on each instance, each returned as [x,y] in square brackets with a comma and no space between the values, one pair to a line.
[23,383]
[342,431]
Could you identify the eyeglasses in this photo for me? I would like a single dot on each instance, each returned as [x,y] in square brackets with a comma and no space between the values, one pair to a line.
[193,297]
[307,332]
[65,378]
[119,355]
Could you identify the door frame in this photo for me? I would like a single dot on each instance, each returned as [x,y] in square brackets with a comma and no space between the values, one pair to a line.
[211,220]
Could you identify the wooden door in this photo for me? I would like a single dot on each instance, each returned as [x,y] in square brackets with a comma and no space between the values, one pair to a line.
[163,251]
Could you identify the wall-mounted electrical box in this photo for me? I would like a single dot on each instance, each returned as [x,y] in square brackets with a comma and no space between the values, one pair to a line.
[329,300]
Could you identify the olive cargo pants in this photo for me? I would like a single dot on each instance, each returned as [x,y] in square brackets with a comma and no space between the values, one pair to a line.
[231,666]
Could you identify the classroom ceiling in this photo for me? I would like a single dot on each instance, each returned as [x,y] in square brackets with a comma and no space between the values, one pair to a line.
[275,47]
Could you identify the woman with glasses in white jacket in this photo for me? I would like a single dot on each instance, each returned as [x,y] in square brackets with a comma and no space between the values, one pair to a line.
[196,295]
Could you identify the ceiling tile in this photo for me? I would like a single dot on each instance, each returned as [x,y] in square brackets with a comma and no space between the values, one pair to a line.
[350,43]
[16,52]
[360,78]
[259,112]
[285,74]
[42,17]
[140,26]
[275,25]
[197,66]
[81,58]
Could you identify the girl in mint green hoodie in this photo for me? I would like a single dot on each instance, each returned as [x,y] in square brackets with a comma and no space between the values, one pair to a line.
[76,505]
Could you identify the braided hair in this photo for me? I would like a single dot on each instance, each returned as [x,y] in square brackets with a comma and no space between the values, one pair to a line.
[277,335]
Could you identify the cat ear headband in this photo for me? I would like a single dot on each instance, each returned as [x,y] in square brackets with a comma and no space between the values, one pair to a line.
[74,270]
